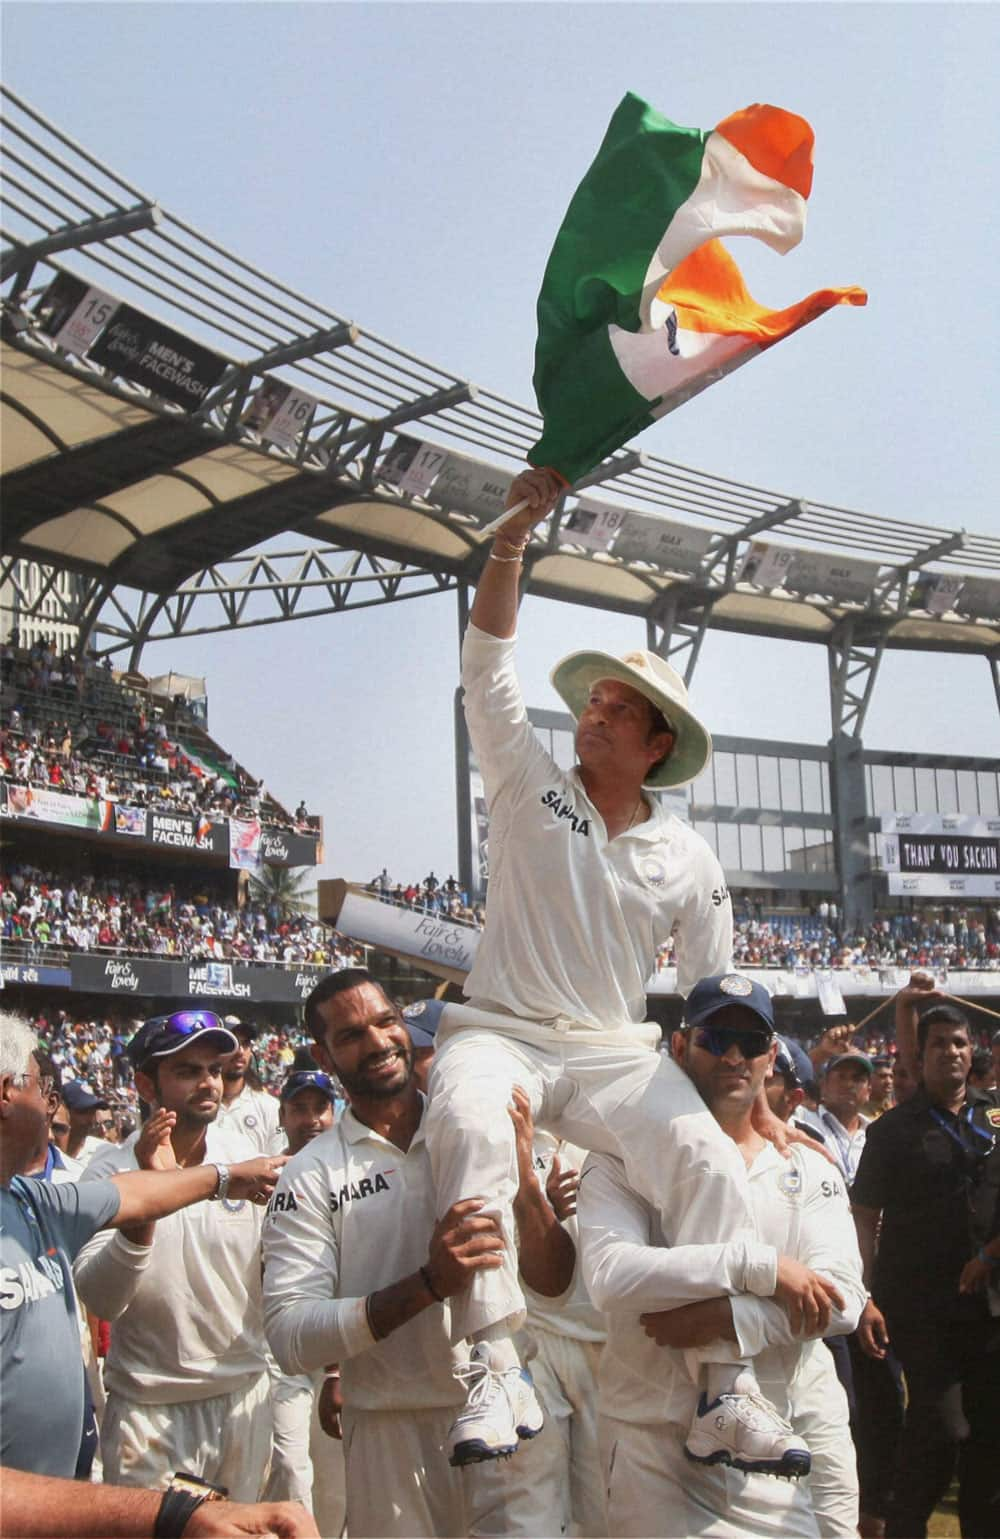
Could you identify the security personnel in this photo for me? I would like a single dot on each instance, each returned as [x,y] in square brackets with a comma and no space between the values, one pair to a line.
[931,1171]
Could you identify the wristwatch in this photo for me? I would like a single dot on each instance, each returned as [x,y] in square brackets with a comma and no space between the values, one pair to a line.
[183,1496]
[219,1195]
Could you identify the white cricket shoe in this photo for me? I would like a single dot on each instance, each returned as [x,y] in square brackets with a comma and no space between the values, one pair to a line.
[500,1408]
[745,1431]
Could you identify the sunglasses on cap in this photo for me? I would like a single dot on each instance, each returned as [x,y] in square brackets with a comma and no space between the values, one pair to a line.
[717,1040]
[308,1079]
[184,1023]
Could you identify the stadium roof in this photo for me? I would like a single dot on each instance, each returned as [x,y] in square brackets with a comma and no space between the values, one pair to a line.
[167,407]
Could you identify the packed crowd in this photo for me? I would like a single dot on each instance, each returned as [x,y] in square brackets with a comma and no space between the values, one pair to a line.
[957,938]
[447,898]
[85,912]
[68,726]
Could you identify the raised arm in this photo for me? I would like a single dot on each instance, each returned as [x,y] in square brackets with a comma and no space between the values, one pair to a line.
[495,607]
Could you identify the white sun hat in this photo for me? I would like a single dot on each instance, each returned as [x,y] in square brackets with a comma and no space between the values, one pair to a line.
[576,675]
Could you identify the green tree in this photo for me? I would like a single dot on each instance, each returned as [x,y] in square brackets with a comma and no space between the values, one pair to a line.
[284,891]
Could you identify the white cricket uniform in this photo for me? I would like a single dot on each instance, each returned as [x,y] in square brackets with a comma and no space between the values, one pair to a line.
[554,1486]
[647,1397]
[353,1213]
[254,1114]
[186,1372]
[307,1466]
[557,989]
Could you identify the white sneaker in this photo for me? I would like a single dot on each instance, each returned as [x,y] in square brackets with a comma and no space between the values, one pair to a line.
[746,1432]
[500,1408]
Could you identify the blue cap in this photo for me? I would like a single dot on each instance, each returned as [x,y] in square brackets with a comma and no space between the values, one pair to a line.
[78,1098]
[308,1079]
[793,1060]
[421,1020]
[710,995]
[163,1035]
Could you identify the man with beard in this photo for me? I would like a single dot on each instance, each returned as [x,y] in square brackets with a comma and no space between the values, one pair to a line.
[187,1370]
[246,1106]
[356,1271]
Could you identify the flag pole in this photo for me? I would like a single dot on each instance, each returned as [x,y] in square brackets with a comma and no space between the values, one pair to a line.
[507,513]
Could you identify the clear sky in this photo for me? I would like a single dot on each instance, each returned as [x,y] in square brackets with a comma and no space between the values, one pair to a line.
[408,165]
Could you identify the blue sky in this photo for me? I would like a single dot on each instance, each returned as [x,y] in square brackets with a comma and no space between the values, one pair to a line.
[408,166]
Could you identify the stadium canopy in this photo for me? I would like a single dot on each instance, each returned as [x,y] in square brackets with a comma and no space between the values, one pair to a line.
[169,411]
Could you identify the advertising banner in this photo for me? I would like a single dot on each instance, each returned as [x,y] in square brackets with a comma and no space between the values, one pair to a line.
[592,525]
[244,844]
[74,314]
[672,547]
[31,972]
[130,820]
[152,354]
[930,854]
[23,801]
[471,486]
[184,833]
[280,413]
[765,566]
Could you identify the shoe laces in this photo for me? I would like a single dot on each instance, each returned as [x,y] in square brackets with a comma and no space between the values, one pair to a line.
[481,1385]
[756,1412]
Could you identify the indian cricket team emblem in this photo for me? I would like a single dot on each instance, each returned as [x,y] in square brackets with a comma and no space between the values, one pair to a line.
[993,1116]
[734,984]
[653,872]
[250,1121]
[790,1181]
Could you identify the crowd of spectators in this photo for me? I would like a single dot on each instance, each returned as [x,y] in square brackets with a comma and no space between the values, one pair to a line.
[937,938]
[448,898]
[47,909]
[69,726]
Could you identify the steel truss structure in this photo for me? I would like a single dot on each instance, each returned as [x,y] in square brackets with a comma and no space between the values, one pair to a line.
[373,543]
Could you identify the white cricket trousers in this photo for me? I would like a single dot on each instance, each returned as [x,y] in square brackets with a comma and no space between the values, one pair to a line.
[307,1466]
[554,1484]
[399,1482]
[629,1101]
[655,1492]
[225,1439]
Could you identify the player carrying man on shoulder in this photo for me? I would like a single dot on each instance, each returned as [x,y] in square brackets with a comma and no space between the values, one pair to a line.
[589,877]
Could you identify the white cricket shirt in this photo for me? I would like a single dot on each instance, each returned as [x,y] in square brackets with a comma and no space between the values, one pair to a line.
[573,920]
[254,1114]
[186,1311]
[353,1213]
[801,1210]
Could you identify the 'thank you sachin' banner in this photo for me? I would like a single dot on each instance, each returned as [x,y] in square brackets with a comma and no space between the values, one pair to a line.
[939,855]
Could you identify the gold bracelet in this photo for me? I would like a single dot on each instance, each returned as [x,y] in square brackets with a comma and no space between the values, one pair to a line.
[505,560]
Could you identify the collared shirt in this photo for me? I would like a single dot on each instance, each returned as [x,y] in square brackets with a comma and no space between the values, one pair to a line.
[186,1310]
[844,1146]
[254,1114]
[58,1167]
[42,1227]
[800,1210]
[575,920]
[353,1213]
[935,1177]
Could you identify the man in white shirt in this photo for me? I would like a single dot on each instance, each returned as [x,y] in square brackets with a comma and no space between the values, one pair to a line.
[246,1106]
[357,1272]
[187,1369]
[839,1119]
[797,1278]
[589,876]
[307,1466]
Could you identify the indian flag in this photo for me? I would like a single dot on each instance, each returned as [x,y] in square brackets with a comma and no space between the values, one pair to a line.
[641,305]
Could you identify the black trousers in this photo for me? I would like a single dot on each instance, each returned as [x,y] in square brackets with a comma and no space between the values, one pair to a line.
[952,1417]
[876,1423]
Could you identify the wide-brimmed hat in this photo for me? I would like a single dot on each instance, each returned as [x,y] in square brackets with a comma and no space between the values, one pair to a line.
[577,674]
